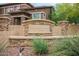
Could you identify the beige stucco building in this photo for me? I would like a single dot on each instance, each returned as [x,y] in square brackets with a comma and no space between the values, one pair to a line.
[17,12]
[22,21]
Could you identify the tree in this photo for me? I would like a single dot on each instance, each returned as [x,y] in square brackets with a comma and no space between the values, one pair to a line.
[67,12]
[75,16]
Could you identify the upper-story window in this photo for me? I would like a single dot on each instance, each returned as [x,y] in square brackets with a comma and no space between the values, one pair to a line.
[16,8]
[11,9]
[38,15]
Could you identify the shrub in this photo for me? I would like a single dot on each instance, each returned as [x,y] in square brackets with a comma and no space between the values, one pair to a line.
[2,48]
[69,47]
[40,46]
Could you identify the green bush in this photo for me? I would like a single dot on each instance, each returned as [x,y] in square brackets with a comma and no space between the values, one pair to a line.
[2,47]
[40,46]
[69,47]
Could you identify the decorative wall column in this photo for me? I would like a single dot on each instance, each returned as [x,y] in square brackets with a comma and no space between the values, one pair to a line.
[64,27]
[22,19]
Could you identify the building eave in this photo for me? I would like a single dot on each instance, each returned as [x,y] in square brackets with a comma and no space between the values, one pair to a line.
[42,7]
[8,4]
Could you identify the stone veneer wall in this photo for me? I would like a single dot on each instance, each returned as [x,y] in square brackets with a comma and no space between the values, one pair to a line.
[37,22]
[26,44]
[4,23]
[22,30]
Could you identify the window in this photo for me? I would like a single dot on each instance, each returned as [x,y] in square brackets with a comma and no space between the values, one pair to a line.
[9,9]
[38,15]
[16,8]
[35,16]
[1,10]
[17,21]
[43,16]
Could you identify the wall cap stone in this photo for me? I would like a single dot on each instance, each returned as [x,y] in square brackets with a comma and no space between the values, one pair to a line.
[31,20]
[43,37]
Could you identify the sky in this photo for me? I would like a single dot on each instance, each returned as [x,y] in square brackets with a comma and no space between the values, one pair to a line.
[43,4]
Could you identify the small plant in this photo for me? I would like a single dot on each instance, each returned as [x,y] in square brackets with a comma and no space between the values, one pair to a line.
[3,46]
[40,46]
[69,47]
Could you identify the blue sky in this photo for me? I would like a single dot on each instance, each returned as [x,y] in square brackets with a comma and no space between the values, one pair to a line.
[43,4]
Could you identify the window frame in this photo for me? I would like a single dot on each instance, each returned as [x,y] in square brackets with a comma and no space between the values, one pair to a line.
[40,15]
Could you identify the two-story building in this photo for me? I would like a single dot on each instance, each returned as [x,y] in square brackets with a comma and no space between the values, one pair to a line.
[20,22]
[17,12]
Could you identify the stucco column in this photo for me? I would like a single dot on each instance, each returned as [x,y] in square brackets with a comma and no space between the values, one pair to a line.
[22,19]
[12,21]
